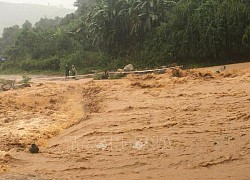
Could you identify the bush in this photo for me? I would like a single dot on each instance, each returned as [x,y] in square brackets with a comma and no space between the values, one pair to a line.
[26,79]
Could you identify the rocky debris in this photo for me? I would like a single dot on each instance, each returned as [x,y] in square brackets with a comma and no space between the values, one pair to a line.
[6,85]
[101,75]
[34,149]
[223,68]
[176,72]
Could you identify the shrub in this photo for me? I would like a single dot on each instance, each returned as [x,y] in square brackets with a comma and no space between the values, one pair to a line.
[26,79]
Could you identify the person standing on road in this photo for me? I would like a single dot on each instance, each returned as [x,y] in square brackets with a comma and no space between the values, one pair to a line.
[66,70]
[73,71]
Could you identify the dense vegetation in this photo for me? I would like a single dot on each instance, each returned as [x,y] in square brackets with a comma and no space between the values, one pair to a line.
[107,34]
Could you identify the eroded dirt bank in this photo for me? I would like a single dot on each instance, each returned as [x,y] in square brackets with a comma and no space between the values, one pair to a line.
[142,127]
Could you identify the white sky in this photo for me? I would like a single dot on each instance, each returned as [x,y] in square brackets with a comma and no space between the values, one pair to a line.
[58,3]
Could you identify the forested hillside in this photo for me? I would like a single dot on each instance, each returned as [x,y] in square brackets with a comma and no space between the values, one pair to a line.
[107,34]
[15,14]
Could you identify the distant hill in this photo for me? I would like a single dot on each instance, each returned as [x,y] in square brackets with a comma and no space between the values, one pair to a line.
[14,13]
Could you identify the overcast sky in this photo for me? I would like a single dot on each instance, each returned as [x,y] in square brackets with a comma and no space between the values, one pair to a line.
[63,3]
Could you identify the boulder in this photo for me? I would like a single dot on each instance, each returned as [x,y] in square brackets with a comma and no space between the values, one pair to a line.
[34,149]
[129,67]
[119,70]
[6,87]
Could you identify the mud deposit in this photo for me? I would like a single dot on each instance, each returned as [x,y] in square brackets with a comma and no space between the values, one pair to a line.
[196,126]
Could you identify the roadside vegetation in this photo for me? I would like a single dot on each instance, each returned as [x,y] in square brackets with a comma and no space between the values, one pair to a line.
[108,34]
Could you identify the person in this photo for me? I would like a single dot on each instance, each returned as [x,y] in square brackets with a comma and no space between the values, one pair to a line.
[73,71]
[66,70]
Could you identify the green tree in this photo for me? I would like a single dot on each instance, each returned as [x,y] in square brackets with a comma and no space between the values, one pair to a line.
[27,25]
[10,35]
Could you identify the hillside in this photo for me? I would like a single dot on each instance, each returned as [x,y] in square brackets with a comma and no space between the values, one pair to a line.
[12,14]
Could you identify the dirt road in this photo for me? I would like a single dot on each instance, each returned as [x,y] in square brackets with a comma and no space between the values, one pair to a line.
[142,127]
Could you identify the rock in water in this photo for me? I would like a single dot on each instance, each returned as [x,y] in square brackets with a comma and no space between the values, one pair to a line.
[34,149]
[6,87]
[129,67]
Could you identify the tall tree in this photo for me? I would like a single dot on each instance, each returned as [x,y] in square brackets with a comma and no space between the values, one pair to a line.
[27,25]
